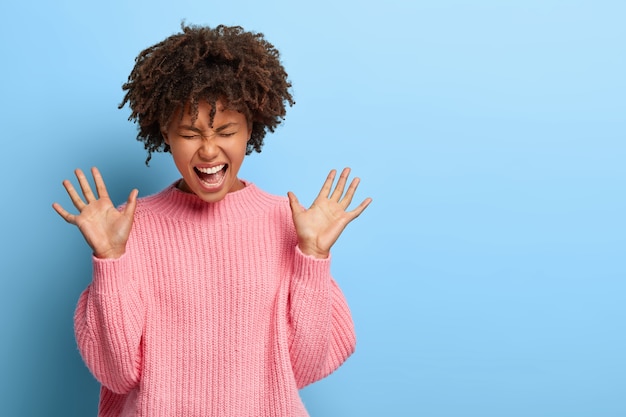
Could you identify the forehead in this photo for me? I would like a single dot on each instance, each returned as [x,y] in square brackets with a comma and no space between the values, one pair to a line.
[203,113]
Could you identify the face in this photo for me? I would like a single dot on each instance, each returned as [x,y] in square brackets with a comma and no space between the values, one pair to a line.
[208,157]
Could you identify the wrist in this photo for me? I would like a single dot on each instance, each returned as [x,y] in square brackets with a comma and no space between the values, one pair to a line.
[314,252]
[110,254]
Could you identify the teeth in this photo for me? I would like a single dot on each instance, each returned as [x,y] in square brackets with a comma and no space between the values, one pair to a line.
[211,170]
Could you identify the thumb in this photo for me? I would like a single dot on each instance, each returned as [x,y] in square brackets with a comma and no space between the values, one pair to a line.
[131,203]
[295,205]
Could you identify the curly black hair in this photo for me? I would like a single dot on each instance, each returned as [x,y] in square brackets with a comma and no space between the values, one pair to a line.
[239,68]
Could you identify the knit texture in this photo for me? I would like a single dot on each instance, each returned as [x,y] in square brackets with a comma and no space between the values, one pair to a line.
[212,311]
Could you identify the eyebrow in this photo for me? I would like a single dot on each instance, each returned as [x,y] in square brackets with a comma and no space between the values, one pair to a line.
[219,129]
[189,127]
[226,126]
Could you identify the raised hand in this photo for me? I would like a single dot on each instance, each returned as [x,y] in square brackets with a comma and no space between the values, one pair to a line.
[105,228]
[319,227]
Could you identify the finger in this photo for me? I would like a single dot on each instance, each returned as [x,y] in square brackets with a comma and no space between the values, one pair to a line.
[84,186]
[131,203]
[295,205]
[361,207]
[347,199]
[99,181]
[68,217]
[74,196]
[341,184]
[325,191]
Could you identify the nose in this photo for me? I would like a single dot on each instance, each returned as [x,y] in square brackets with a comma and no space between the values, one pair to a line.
[208,149]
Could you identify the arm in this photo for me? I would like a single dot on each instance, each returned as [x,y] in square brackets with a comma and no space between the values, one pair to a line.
[108,319]
[322,333]
[321,329]
[108,325]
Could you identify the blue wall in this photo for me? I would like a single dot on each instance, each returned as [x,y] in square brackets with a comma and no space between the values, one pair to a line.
[488,278]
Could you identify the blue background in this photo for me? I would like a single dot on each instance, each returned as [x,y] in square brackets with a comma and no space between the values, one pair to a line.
[488,277]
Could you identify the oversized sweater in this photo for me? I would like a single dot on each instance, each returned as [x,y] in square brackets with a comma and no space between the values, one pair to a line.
[212,311]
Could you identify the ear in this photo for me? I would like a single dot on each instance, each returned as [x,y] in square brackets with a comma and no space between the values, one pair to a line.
[250,125]
[165,138]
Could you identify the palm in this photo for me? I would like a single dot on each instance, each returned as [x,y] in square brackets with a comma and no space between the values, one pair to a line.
[105,229]
[319,227]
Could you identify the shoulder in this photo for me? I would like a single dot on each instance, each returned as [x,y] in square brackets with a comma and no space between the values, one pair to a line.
[263,202]
[152,202]
[255,192]
[161,201]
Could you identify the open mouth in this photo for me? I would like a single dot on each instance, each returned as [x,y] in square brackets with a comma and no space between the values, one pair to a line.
[213,176]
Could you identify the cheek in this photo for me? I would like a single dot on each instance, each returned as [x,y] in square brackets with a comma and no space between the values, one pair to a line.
[241,151]
[180,153]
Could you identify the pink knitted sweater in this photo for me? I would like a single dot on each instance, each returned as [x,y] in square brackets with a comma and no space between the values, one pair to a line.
[212,311]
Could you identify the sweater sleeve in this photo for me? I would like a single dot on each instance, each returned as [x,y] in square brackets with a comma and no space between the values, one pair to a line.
[108,324]
[321,329]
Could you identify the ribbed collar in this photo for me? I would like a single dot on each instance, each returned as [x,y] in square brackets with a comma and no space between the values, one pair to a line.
[248,202]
